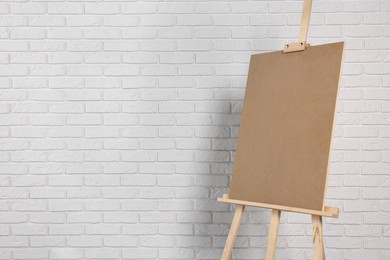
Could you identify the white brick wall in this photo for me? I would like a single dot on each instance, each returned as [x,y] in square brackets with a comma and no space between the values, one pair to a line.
[119,121]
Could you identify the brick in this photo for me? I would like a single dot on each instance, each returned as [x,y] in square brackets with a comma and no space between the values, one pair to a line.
[376,43]
[194,119]
[13,217]
[102,33]
[65,205]
[249,7]
[102,229]
[381,193]
[194,45]
[159,45]
[84,217]
[102,8]
[136,33]
[356,254]
[123,217]
[30,253]
[84,193]
[28,132]
[84,241]
[47,193]
[87,20]
[31,205]
[245,33]
[281,7]
[375,119]
[158,70]
[174,180]
[362,6]
[377,243]
[13,242]
[139,205]
[175,33]
[339,19]
[194,20]
[98,181]
[157,20]
[119,193]
[171,253]
[117,46]
[195,70]
[121,241]
[153,241]
[62,8]
[47,241]
[267,19]
[104,205]
[140,253]
[139,8]
[156,192]
[231,20]
[176,8]
[26,181]
[115,168]
[213,33]
[66,253]
[217,8]
[138,229]
[375,18]
[29,229]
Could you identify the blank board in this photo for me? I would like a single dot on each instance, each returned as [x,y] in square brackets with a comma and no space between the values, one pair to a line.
[286,127]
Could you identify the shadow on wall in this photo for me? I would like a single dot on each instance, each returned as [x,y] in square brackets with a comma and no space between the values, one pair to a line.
[212,219]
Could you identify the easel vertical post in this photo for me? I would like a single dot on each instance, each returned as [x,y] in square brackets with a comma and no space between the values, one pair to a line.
[305,19]
[273,234]
[227,252]
[318,244]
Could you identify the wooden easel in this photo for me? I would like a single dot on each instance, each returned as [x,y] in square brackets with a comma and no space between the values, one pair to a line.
[316,216]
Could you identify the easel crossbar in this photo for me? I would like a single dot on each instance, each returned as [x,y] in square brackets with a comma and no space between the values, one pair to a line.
[327,212]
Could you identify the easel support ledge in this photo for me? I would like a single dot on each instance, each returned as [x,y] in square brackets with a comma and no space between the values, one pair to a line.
[327,212]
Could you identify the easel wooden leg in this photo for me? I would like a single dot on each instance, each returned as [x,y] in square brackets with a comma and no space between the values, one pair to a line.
[318,244]
[227,251]
[273,234]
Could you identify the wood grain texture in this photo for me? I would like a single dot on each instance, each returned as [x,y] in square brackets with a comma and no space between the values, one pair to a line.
[273,235]
[305,20]
[287,126]
[318,243]
[227,251]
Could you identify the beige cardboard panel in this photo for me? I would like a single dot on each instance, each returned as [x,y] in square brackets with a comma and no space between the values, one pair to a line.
[286,127]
